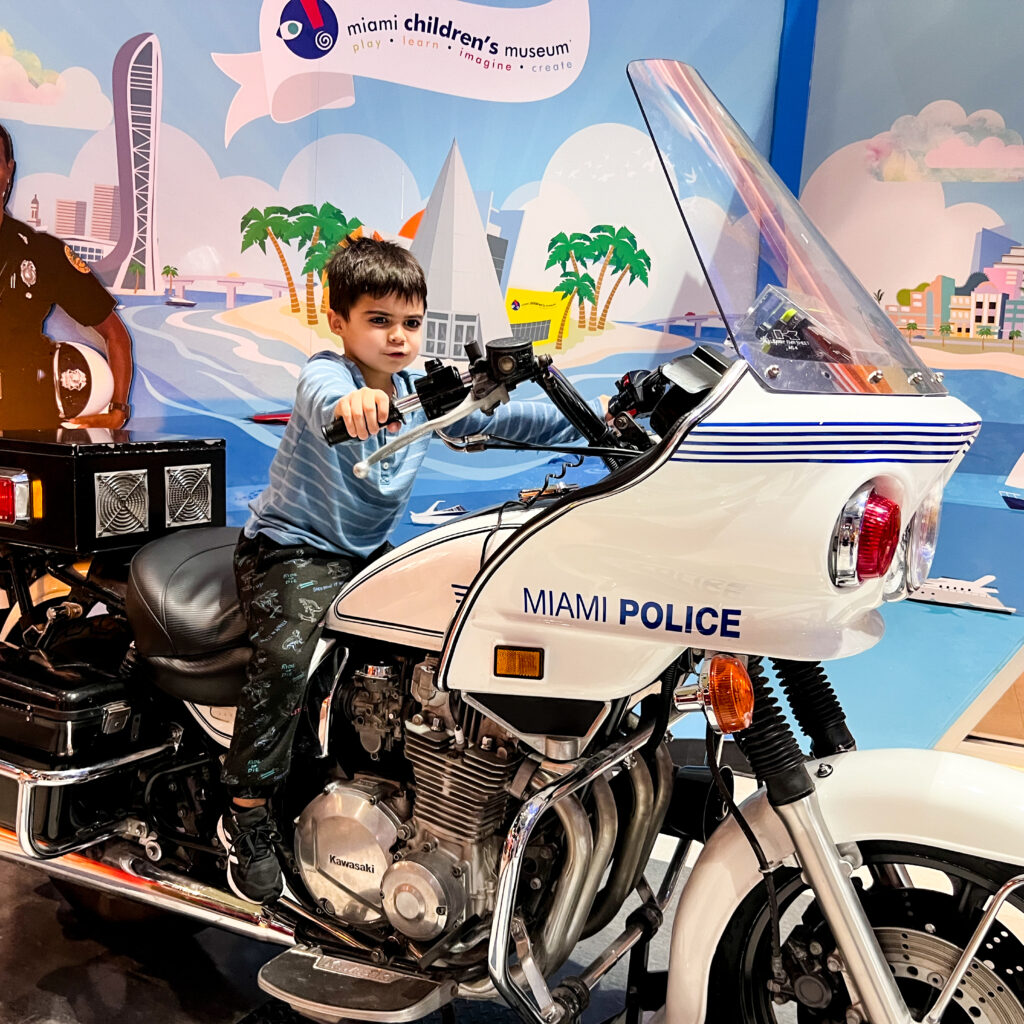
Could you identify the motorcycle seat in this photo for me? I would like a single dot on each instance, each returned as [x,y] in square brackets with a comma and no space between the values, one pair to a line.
[182,604]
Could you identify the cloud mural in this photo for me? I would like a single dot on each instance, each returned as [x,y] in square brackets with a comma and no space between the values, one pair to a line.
[198,210]
[879,227]
[945,143]
[610,174]
[35,94]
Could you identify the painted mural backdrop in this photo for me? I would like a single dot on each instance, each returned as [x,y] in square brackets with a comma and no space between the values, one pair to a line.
[914,171]
[205,162]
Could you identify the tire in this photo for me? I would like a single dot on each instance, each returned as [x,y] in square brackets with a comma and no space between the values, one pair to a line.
[924,905]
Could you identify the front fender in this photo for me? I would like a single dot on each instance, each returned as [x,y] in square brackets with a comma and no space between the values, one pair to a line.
[926,797]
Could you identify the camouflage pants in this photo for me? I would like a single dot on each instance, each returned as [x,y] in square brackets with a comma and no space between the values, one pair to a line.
[284,593]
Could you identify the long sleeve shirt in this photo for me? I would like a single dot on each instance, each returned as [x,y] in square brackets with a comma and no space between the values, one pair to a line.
[315,498]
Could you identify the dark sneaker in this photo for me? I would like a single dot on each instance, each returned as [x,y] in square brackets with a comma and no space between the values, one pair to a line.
[253,871]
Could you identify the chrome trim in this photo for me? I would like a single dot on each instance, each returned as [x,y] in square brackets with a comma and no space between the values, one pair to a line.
[842,562]
[934,1015]
[121,873]
[721,391]
[606,830]
[665,783]
[468,406]
[625,867]
[873,988]
[323,727]
[550,952]
[512,856]
[31,779]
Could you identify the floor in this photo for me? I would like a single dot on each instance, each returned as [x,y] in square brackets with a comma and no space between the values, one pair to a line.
[59,967]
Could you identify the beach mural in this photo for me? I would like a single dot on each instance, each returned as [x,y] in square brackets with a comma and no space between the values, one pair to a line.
[916,177]
[205,165]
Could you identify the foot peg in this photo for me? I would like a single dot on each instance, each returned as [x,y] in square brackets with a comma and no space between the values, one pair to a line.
[333,990]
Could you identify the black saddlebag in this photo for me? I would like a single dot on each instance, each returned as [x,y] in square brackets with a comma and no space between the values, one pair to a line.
[64,714]
[59,713]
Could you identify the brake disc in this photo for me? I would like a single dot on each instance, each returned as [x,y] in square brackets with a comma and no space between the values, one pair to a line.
[920,957]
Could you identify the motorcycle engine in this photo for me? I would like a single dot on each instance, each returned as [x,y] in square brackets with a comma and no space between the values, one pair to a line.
[367,856]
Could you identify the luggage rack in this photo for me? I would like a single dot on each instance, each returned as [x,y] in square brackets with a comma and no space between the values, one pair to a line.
[29,780]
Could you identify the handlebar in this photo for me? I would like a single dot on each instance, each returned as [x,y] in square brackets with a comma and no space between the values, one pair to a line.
[468,405]
[446,396]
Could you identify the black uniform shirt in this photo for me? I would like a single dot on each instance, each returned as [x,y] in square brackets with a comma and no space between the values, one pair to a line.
[37,271]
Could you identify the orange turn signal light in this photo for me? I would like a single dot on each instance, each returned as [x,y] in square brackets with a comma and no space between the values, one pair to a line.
[730,694]
[519,662]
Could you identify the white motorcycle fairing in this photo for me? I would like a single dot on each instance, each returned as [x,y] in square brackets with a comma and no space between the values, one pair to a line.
[409,595]
[922,797]
[726,536]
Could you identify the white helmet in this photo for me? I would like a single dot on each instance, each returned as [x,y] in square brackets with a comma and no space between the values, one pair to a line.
[82,380]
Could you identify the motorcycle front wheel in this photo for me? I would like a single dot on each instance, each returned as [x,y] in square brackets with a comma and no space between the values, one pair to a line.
[923,904]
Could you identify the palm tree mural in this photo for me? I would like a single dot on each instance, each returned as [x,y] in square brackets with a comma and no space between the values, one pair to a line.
[170,273]
[910,328]
[631,263]
[273,223]
[607,239]
[572,284]
[136,268]
[578,249]
[1013,336]
[945,330]
[983,333]
[319,232]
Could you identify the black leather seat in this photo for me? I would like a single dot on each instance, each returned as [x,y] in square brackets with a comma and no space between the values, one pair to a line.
[183,608]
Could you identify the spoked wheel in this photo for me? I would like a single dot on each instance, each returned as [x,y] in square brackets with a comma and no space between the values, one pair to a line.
[923,904]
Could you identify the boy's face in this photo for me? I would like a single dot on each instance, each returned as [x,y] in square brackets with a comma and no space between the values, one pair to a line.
[382,336]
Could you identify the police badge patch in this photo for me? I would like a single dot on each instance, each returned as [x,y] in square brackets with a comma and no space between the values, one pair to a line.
[28,272]
[75,260]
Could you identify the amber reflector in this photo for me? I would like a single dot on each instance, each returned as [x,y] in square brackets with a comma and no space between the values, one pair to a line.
[730,693]
[520,662]
[37,499]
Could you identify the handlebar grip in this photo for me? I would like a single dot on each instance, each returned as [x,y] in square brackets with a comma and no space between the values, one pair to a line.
[337,433]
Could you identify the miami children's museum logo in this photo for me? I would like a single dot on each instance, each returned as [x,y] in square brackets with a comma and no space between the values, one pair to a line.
[309,28]
[311,51]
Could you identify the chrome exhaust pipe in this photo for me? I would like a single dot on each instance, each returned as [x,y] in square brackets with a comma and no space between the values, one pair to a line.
[122,872]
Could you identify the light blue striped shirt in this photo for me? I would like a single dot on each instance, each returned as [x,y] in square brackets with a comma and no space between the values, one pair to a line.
[314,497]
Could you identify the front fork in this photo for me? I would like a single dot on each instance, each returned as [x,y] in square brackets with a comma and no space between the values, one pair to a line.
[867,972]
[778,762]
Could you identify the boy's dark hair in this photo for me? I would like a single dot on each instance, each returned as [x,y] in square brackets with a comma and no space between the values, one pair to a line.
[367,266]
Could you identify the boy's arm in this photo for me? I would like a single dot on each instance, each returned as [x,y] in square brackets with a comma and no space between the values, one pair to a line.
[322,383]
[533,422]
[327,392]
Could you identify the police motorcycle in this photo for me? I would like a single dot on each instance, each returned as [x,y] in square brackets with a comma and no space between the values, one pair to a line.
[482,769]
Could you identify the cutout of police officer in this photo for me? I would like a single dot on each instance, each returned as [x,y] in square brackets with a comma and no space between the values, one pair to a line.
[38,271]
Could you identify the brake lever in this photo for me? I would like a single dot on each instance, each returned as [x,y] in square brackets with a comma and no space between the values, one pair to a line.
[498,396]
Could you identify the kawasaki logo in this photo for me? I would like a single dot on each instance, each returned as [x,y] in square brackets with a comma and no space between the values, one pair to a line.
[337,862]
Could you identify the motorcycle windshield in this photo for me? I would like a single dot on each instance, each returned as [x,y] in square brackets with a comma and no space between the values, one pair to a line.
[793,310]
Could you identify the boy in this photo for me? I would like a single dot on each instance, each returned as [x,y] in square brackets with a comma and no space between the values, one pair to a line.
[316,525]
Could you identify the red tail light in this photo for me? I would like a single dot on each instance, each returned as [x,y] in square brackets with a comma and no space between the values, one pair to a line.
[15,497]
[879,536]
[865,539]
[8,513]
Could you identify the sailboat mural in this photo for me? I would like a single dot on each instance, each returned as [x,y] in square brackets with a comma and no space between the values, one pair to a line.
[1016,480]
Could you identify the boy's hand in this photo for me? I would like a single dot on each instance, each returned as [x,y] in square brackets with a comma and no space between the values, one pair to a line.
[364,411]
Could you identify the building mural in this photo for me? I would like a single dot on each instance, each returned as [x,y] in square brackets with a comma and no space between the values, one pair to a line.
[915,176]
